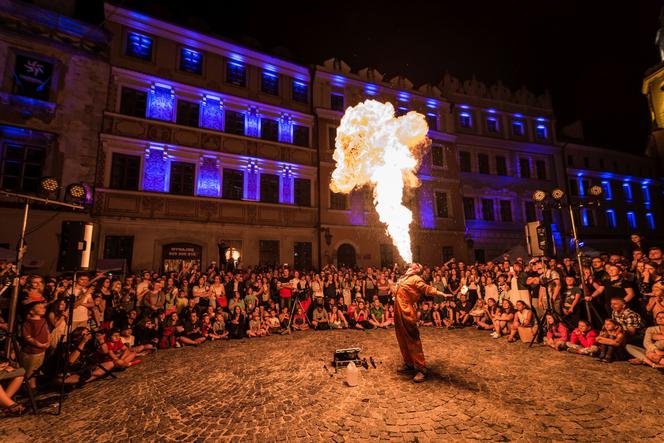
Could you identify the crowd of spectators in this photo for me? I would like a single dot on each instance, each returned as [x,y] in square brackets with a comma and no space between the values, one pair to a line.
[611,309]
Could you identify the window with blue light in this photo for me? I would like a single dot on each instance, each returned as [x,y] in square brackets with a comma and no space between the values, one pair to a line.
[631,220]
[587,217]
[627,191]
[191,61]
[517,128]
[270,83]
[492,125]
[646,194]
[182,178]
[401,110]
[236,74]
[606,188]
[541,132]
[432,121]
[611,219]
[300,92]
[651,221]
[139,46]
[465,120]
[234,122]
[337,102]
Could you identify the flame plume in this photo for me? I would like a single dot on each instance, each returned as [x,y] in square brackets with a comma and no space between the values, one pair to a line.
[373,147]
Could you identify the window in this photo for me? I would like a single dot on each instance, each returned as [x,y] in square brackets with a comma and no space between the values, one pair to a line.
[270,83]
[587,217]
[233,184]
[469,208]
[234,122]
[570,160]
[531,213]
[541,132]
[337,102]
[464,161]
[331,137]
[187,113]
[627,191]
[501,165]
[611,219]
[139,46]
[606,187]
[631,220]
[540,168]
[182,178]
[573,186]
[302,255]
[338,201]
[651,221]
[505,210]
[465,120]
[524,167]
[301,135]
[432,121]
[448,253]
[191,61]
[236,74]
[133,102]
[21,167]
[487,210]
[646,194]
[32,77]
[483,163]
[492,125]
[517,128]
[401,110]
[441,205]
[269,188]
[119,247]
[584,185]
[268,252]
[300,92]
[269,129]
[302,191]
[125,171]
[437,156]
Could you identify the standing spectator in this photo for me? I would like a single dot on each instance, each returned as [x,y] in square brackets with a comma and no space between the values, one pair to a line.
[36,339]
[571,297]
[82,292]
[285,289]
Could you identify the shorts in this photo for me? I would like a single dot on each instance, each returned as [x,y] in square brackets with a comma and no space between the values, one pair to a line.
[31,362]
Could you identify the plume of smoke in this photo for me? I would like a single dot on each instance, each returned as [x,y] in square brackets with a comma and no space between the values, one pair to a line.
[373,147]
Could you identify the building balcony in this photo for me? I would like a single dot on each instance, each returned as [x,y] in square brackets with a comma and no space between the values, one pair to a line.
[174,134]
[158,206]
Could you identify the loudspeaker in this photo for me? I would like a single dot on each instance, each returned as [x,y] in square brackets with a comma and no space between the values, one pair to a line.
[75,246]
[537,239]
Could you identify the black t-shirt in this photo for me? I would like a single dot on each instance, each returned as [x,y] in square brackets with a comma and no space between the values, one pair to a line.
[614,288]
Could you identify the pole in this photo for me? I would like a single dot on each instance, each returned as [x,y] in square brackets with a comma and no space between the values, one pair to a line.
[578,258]
[19,268]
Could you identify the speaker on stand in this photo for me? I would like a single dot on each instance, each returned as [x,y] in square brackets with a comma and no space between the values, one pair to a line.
[75,246]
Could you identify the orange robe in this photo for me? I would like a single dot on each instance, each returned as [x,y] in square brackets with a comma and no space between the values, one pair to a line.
[409,291]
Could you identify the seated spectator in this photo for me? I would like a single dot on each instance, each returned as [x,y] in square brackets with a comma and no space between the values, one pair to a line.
[523,318]
[113,350]
[478,313]
[361,317]
[36,339]
[192,334]
[273,323]
[502,319]
[652,352]
[656,301]
[436,315]
[389,315]
[256,326]
[15,380]
[319,319]
[630,322]
[485,322]
[611,341]
[219,326]
[130,342]
[463,308]
[337,319]
[583,340]
[557,333]
[300,321]
[377,314]
[170,332]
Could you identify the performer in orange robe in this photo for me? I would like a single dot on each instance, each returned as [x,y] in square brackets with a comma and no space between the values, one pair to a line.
[408,292]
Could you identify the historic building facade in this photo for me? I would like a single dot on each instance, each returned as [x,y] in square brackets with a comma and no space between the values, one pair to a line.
[53,86]
[204,143]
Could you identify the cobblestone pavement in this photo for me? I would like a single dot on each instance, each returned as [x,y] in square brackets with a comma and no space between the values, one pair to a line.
[275,389]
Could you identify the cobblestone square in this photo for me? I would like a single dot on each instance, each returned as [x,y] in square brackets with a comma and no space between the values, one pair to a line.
[276,389]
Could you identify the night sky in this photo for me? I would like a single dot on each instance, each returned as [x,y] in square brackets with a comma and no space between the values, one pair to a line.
[591,55]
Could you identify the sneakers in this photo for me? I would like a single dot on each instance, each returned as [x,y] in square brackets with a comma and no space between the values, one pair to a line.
[495,335]
[419,377]
[405,369]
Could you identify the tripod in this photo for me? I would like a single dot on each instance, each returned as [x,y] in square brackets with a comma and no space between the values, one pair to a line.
[548,311]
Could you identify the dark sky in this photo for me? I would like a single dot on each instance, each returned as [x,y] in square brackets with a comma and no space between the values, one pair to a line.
[591,55]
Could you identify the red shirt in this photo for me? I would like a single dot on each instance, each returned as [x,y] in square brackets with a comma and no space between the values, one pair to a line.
[38,330]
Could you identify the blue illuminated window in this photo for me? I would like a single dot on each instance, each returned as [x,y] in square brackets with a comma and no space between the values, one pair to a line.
[631,220]
[337,102]
[236,74]
[587,217]
[541,132]
[611,218]
[191,61]
[606,187]
[627,191]
[139,46]
[432,121]
[517,128]
[492,124]
[646,194]
[651,221]
[270,83]
[401,110]
[465,120]
[300,92]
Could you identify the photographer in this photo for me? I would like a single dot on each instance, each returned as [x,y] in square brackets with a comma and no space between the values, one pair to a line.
[547,283]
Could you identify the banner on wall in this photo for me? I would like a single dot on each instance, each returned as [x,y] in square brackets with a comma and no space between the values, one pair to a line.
[177,256]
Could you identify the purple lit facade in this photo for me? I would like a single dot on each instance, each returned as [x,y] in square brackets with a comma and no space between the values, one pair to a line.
[156,169]
[209,178]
